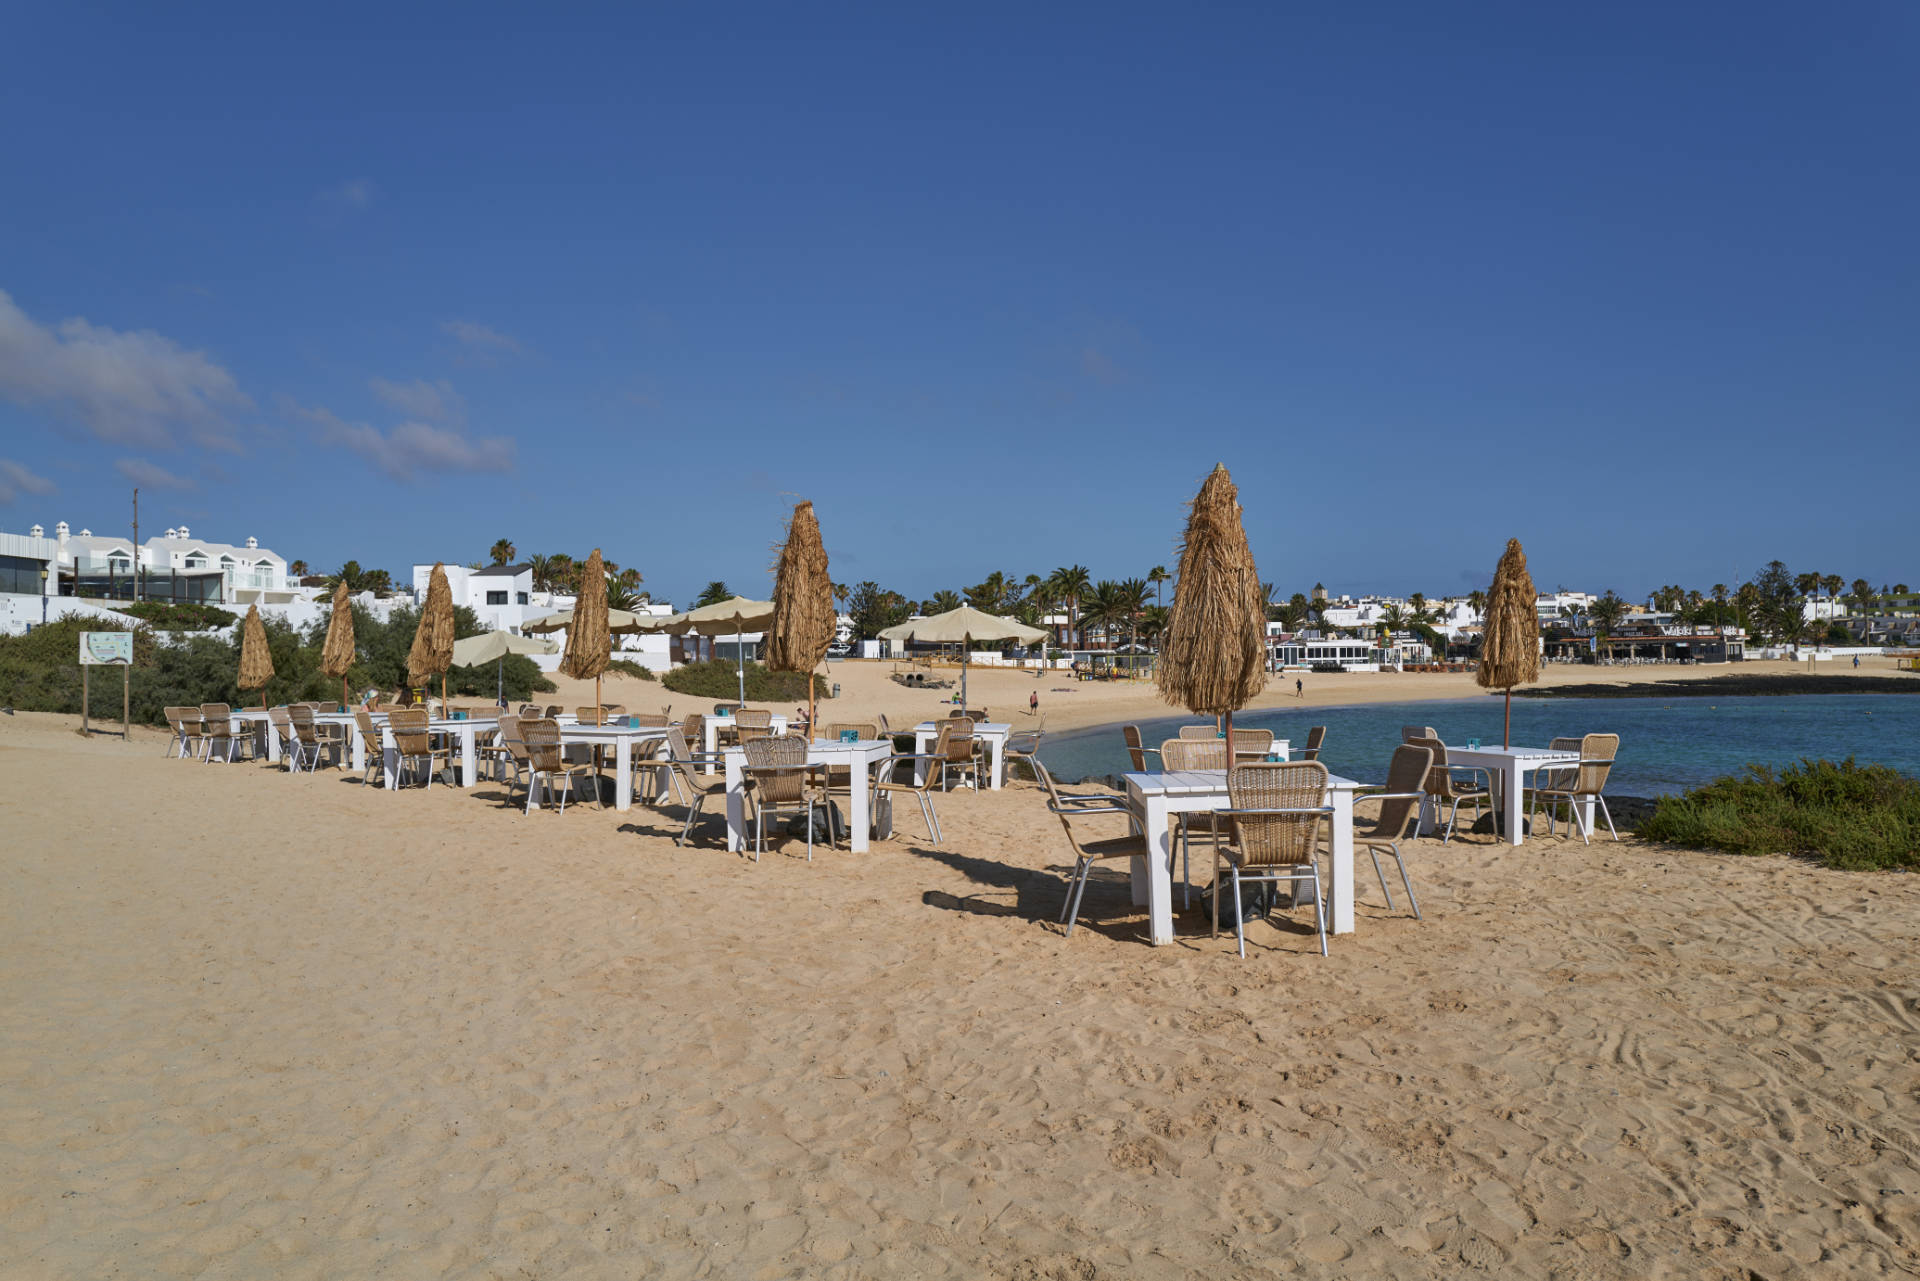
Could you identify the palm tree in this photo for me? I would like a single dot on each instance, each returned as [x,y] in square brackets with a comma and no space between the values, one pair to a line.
[1153,621]
[503,552]
[1105,608]
[1862,596]
[1393,618]
[356,579]
[1605,616]
[1157,576]
[840,591]
[712,594]
[622,596]
[1833,583]
[1070,586]
[1133,597]
[1477,602]
[298,569]
[943,600]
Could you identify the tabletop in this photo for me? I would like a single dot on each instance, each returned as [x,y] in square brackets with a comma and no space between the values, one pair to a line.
[1195,782]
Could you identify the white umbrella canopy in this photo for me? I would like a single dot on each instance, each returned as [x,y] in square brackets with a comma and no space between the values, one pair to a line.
[619,622]
[734,617]
[493,647]
[963,626]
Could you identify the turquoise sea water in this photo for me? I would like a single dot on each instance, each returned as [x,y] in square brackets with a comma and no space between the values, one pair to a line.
[1666,745]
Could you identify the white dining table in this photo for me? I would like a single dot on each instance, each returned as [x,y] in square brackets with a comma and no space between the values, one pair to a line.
[1508,768]
[465,731]
[254,720]
[992,733]
[858,758]
[778,726]
[1156,798]
[624,739]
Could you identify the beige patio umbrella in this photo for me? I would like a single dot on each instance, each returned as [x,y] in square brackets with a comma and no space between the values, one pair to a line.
[432,651]
[493,647]
[963,626]
[1510,652]
[619,623]
[803,619]
[736,616]
[1213,650]
[589,644]
[336,656]
[256,662]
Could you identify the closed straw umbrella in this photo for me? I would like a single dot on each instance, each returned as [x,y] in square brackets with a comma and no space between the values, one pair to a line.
[1510,652]
[256,663]
[1213,651]
[432,651]
[336,656]
[803,618]
[589,644]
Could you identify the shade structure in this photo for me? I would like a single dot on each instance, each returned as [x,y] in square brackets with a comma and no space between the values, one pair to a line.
[432,651]
[256,662]
[1213,649]
[804,623]
[619,623]
[493,647]
[735,616]
[589,644]
[963,626]
[1510,652]
[336,656]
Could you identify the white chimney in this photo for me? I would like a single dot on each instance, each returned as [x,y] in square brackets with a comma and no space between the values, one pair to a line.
[37,531]
[172,533]
[184,533]
[86,533]
[252,542]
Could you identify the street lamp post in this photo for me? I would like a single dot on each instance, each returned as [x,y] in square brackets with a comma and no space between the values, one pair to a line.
[43,594]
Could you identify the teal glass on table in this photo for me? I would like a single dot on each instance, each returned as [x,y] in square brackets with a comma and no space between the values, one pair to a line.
[633,722]
[1473,745]
[849,736]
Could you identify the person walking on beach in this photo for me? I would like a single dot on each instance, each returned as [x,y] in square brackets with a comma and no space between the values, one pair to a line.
[1033,699]
[1299,688]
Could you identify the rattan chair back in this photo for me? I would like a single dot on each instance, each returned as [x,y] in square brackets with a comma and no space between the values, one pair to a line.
[510,739]
[648,720]
[954,745]
[540,738]
[777,766]
[1199,731]
[1597,753]
[753,718]
[1251,742]
[1193,753]
[589,716]
[369,732]
[865,733]
[1406,776]
[1316,737]
[1439,777]
[1270,840]
[409,728]
[1408,733]
[1136,747]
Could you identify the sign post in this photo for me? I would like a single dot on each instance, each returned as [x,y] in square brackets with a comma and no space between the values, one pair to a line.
[108,649]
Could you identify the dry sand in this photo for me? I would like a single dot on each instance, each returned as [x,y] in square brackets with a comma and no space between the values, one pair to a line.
[272,1026]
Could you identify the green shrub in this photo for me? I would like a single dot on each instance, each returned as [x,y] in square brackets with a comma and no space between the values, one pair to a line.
[720,680]
[627,667]
[192,616]
[1842,815]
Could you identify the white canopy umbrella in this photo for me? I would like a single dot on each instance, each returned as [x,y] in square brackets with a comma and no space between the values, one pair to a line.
[495,646]
[619,621]
[963,626]
[736,615]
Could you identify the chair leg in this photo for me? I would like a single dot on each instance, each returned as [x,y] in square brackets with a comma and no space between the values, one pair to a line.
[1407,881]
[809,831]
[1320,907]
[1079,887]
[1186,867]
[1374,854]
[1602,802]
[1239,914]
[926,812]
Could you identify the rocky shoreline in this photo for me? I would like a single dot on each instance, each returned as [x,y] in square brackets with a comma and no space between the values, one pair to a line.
[1732,686]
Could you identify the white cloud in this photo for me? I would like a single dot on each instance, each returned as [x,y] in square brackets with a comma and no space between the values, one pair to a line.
[16,480]
[435,402]
[483,339]
[150,475]
[412,447]
[131,387]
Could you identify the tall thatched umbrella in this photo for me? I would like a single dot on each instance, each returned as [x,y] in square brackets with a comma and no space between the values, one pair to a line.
[336,656]
[803,617]
[432,651]
[1213,650]
[1510,651]
[589,645]
[256,663]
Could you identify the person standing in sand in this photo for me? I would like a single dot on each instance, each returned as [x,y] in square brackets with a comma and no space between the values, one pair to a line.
[1033,701]
[1299,688]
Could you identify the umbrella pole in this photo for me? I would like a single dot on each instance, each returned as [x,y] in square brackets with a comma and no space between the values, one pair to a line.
[1230,760]
[740,658]
[500,681]
[1506,730]
[810,717]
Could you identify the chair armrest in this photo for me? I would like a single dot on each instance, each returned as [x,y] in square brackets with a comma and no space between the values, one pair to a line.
[1096,798]
[1078,812]
[1319,809]
[1390,796]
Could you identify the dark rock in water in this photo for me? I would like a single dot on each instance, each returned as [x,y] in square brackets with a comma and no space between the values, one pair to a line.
[1771,684]
[1629,812]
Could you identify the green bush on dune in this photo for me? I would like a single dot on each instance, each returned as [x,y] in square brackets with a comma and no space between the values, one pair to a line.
[720,680]
[1842,815]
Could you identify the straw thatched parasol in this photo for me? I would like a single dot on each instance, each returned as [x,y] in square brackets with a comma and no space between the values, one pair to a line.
[1510,652]
[963,626]
[256,663]
[432,651]
[493,647]
[1213,650]
[803,619]
[336,656]
[589,644]
[736,614]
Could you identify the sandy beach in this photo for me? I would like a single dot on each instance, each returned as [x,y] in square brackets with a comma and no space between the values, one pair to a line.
[261,1025]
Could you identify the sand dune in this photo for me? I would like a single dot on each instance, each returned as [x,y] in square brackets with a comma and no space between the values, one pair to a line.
[260,1025]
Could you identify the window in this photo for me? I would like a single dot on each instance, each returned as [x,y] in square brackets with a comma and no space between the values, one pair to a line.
[522,596]
[21,575]
[496,598]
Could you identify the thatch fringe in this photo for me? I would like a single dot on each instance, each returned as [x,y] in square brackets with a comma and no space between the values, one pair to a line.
[1510,652]
[432,651]
[256,662]
[1213,651]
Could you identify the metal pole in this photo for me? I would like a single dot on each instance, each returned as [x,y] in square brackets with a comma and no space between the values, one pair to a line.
[136,543]
[740,657]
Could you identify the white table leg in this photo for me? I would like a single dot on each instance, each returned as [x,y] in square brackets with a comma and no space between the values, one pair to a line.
[273,742]
[623,779]
[1342,890]
[1510,778]
[736,801]
[713,742]
[999,742]
[468,770]
[390,755]
[1152,880]
[359,750]
[922,744]
[860,775]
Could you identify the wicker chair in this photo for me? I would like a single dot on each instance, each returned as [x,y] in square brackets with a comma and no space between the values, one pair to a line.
[1199,731]
[958,750]
[216,724]
[650,720]
[280,722]
[1138,751]
[188,731]
[412,743]
[1315,738]
[308,740]
[375,750]
[694,730]
[1410,732]
[839,778]
[1250,745]
[890,780]
[1193,754]
[507,754]
[1024,746]
[1399,815]
[1071,809]
[547,765]
[777,780]
[750,723]
[1586,783]
[1277,814]
[682,762]
[1447,790]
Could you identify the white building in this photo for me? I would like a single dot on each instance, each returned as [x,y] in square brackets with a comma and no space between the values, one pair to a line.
[503,598]
[175,566]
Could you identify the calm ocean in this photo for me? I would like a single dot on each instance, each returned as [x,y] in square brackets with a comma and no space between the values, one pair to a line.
[1665,745]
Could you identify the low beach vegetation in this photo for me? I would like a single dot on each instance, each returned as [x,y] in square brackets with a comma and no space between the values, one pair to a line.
[1841,815]
[720,679]
[189,616]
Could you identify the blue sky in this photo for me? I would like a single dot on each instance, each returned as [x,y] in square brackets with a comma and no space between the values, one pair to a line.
[994,286]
